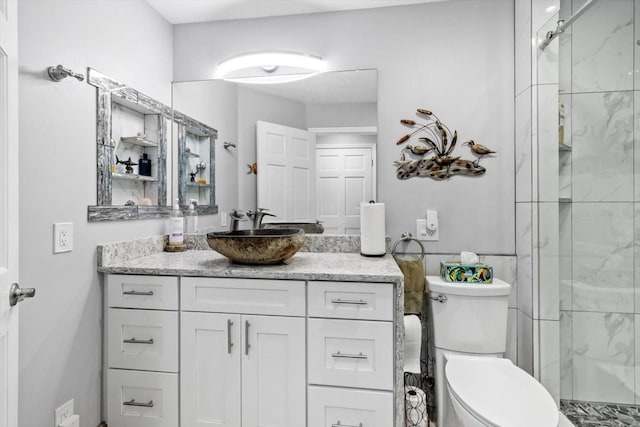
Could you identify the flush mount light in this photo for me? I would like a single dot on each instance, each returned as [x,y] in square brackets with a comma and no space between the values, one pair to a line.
[270,67]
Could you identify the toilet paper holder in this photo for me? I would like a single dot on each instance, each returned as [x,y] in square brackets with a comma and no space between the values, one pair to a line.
[406,236]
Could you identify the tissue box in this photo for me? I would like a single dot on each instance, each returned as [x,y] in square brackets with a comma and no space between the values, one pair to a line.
[455,272]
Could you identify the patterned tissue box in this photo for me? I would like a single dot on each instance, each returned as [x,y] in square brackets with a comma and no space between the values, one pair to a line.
[455,272]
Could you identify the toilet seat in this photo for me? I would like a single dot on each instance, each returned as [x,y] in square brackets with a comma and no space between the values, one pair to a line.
[498,393]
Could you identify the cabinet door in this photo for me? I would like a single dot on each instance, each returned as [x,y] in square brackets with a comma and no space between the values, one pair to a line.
[210,370]
[273,372]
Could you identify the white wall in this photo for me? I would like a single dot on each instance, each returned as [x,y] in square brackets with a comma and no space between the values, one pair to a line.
[455,58]
[60,329]
[361,114]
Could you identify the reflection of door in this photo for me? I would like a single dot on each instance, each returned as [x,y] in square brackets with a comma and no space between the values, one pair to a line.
[8,212]
[344,180]
[286,172]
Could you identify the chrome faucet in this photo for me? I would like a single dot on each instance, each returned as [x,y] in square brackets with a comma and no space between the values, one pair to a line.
[258,216]
[236,216]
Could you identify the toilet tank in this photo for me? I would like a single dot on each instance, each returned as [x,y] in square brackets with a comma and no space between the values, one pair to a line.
[470,318]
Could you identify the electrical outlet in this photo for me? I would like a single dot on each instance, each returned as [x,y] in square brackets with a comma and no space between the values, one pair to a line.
[63,412]
[223,219]
[62,237]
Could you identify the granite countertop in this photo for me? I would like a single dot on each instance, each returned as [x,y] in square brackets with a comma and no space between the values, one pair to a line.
[302,266]
[147,258]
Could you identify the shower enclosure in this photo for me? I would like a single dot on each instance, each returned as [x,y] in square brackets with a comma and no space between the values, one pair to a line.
[583,206]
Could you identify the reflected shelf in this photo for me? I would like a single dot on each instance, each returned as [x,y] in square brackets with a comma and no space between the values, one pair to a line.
[564,199]
[564,147]
[133,177]
[196,185]
[138,140]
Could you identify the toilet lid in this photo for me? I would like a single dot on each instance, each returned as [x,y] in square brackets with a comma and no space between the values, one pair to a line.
[499,393]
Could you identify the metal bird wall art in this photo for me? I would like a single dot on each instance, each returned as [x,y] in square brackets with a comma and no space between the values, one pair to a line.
[433,157]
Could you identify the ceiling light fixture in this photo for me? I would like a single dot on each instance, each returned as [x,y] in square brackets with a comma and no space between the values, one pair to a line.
[270,67]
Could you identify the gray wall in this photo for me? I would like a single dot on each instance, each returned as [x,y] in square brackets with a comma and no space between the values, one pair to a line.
[60,329]
[455,58]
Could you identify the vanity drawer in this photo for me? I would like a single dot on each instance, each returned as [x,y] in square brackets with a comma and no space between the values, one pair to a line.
[143,339]
[244,296]
[151,292]
[350,353]
[142,399]
[331,407]
[351,300]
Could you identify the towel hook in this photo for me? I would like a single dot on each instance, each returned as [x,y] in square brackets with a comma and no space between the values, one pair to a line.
[406,236]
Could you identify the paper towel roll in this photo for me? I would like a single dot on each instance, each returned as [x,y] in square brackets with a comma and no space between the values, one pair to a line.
[412,343]
[372,229]
[415,407]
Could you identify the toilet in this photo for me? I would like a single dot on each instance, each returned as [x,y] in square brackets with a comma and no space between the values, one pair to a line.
[475,385]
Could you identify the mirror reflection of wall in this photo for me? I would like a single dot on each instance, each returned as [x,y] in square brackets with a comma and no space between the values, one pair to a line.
[325,103]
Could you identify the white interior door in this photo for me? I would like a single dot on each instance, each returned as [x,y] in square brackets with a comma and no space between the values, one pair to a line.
[8,211]
[345,178]
[286,172]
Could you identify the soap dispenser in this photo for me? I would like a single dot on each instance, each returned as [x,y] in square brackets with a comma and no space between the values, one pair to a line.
[176,227]
[191,217]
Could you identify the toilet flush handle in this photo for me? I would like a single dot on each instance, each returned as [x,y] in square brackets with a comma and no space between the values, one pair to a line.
[440,298]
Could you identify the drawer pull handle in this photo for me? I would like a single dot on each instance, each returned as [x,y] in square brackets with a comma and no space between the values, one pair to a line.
[349,356]
[138,293]
[135,341]
[246,337]
[133,402]
[229,343]
[339,424]
[349,301]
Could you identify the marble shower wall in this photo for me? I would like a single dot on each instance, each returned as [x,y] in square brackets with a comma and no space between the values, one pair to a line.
[599,230]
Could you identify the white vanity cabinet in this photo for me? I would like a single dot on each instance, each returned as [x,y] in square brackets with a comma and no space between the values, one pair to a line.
[350,354]
[247,352]
[242,352]
[141,351]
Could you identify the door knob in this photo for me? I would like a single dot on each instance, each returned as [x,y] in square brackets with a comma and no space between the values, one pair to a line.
[17,294]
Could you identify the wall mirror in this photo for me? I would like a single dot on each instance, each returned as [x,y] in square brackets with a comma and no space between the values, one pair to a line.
[338,108]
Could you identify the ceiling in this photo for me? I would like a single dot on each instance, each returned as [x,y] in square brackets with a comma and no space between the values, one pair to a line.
[328,88]
[190,11]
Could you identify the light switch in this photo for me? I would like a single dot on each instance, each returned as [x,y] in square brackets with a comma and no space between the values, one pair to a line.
[421,229]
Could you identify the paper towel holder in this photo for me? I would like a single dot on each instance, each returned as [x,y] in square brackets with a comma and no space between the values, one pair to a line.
[406,236]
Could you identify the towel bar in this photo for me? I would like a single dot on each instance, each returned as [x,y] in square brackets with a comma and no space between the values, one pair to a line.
[406,236]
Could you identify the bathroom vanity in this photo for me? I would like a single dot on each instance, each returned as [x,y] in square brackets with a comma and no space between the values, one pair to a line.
[193,340]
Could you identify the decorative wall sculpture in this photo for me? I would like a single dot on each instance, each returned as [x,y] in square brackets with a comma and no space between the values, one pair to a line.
[433,157]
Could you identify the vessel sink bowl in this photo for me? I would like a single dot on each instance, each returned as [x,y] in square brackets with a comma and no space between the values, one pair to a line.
[257,247]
